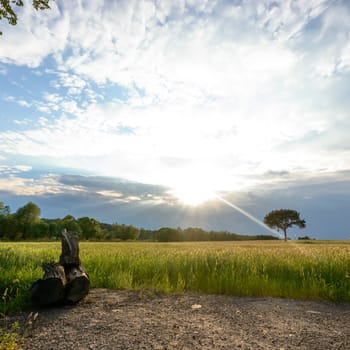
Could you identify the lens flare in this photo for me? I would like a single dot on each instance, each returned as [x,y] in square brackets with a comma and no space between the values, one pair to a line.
[249,216]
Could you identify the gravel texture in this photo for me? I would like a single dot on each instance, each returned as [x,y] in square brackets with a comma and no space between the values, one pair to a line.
[119,319]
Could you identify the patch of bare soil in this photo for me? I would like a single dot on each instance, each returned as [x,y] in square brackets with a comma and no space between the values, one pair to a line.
[114,319]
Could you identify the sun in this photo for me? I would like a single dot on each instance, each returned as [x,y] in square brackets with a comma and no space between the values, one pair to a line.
[192,194]
[194,185]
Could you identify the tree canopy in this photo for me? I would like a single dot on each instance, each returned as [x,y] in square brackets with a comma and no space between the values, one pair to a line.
[28,214]
[283,219]
[8,9]
[4,209]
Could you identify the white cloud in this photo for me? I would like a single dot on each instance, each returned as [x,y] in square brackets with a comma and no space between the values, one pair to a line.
[111,194]
[30,186]
[15,169]
[43,121]
[24,103]
[73,82]
[21,122]
[52,98]
[186,59]
[228,90]
[20,102]
[9,98]
[204,141]
[344,64]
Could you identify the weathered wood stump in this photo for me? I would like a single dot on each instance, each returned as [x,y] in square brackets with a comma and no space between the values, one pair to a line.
[51,288]
[66,281]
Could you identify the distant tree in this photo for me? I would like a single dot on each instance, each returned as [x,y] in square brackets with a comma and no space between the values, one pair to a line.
[54,228]
[124,232]
[28,214]
[4,209]
[7,9]
[39,230]
[25,218]
[282,219]
[194,234]
[265,237]
[168,234]
[70,224]
[4,219]
[90,228]
[8,228]
[147,235]
[306,238]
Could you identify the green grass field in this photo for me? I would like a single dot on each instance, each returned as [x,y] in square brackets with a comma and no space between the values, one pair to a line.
[307,270]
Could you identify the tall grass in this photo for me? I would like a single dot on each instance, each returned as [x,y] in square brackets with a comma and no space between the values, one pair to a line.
[20,266]
[309,271]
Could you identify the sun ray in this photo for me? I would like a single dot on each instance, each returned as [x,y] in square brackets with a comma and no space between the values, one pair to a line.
[249,216]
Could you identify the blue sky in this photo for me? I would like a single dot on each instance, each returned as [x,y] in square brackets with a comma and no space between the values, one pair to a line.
[143,112]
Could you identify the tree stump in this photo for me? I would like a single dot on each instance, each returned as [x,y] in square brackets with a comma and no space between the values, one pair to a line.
[66,281]
[51,288]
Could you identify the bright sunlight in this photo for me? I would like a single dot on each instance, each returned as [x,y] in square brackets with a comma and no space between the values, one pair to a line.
[193,196]
[193,189]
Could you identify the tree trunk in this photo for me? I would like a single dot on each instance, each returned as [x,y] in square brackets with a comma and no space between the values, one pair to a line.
[65,281]
[285,234]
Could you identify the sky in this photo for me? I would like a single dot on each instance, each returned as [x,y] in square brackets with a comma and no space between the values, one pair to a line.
[160,113]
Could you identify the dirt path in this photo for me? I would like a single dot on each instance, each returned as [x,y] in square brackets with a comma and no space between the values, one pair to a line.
[110,319]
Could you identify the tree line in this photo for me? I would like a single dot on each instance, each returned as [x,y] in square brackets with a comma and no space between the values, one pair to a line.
[26,224]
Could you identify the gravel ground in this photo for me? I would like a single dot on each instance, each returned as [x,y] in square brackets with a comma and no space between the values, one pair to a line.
[115,319]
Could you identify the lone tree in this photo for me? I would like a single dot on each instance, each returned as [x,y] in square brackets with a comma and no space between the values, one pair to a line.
[7,9]
[282,219]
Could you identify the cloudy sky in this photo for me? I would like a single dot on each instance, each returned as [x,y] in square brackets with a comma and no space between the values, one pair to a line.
[155,113]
